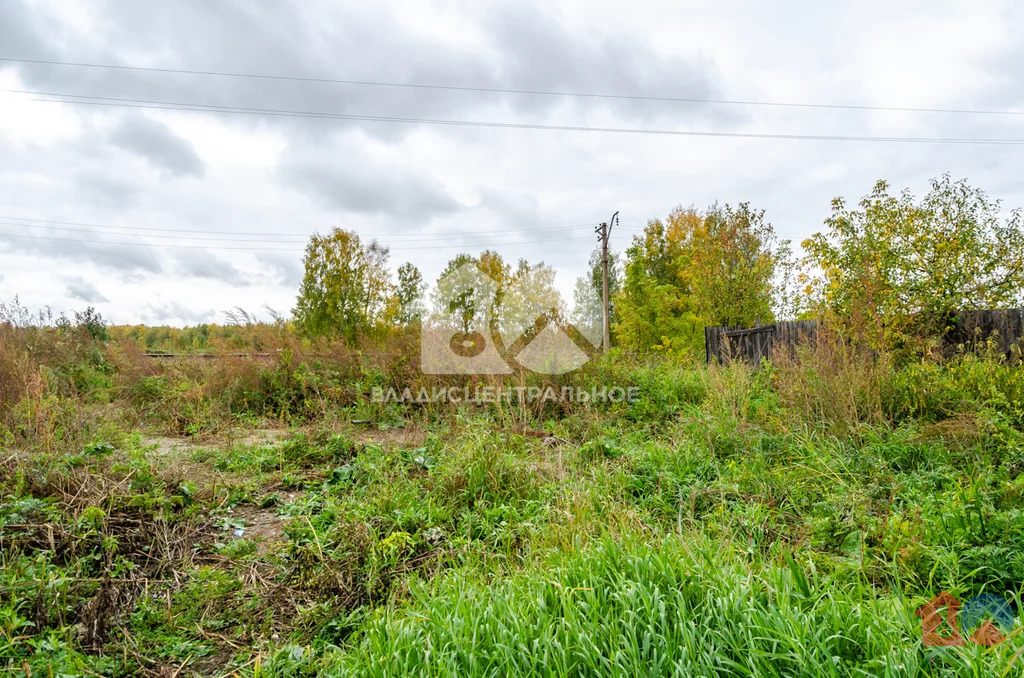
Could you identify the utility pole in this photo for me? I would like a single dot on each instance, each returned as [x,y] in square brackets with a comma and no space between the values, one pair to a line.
[604,232]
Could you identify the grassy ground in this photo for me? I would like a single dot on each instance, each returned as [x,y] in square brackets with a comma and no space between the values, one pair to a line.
[784,522]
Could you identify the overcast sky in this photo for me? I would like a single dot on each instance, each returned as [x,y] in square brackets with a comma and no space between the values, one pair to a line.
[212,184]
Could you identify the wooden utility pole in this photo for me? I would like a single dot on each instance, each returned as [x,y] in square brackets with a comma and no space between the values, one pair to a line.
[604,232]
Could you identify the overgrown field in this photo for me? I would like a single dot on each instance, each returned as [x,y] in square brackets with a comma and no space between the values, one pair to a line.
[221,517]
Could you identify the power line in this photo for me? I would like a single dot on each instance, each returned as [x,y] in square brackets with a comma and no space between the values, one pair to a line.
[239,232]
[140,235]
[280,249]
[92,229]
[500,90]
[172,237]
[271,112]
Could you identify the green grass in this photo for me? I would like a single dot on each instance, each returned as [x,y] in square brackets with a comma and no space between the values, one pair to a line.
[713,528]
[668,607]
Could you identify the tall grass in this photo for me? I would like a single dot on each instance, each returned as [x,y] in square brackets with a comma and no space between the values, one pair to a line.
[667,608]
[832,382]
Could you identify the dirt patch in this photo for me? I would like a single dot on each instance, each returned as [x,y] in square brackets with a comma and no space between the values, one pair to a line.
[176,456]
[265,436]
[262,525]
[409,436]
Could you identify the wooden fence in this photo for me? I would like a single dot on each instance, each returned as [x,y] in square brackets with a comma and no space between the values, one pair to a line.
[727,342]
[1004,327]
[971,329]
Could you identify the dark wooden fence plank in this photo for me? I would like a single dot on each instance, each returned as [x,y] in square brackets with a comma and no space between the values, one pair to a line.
[971,330]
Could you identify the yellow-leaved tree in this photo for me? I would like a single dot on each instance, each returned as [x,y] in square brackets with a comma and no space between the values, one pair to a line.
[346,290]
[724,266]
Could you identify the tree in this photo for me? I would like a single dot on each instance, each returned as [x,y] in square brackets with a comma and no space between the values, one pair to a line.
[655,309]
[732,262]
[93,323]
[588,302]
[380,309]
[586,308]
[494,266]
[485,295]
[411,289]
[721,267]
[660,250]
[897,268]
[656,316]
[527,294]
[459,299]
[346,287]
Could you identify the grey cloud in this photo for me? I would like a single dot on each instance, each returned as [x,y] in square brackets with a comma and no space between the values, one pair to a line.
[176,313]
[528,48]
[19,33]
[108,191]
[287,268]
[351,181]
[155,142]
[539,53]
[82,289]
[203,264]
[519,210]
[125,260]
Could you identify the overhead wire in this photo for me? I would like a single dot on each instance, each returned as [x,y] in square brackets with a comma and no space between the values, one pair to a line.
[198,236]
[503,90]
[280,249]
[302,235]
[121,102]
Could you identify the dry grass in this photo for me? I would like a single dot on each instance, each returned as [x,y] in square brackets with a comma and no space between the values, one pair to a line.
[831,381]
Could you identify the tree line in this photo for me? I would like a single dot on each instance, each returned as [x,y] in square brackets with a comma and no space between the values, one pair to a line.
[888,271]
